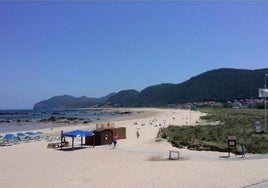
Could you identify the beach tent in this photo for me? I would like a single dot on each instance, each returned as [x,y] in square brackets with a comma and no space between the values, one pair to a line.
[76,133]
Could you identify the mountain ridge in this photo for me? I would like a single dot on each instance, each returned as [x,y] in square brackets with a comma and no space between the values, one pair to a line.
[214,85]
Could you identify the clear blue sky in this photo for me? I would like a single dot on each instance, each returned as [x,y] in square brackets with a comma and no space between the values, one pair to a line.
[95,48]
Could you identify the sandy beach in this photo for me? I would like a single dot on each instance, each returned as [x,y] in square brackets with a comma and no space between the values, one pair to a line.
[135,162]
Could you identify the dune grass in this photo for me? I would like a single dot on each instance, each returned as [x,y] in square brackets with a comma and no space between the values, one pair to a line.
[232,122]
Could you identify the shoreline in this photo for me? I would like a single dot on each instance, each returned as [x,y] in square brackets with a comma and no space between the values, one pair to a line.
[33,125]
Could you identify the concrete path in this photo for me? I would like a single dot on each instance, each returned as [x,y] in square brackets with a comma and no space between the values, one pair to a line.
[195,154]
[262,184]
[199,155]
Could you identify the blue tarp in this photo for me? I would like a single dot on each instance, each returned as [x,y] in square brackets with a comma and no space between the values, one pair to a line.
[78,133]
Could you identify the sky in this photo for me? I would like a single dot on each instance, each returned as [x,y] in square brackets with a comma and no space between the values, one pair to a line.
[92,48]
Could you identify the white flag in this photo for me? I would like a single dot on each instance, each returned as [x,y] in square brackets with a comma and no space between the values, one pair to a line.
[263,92]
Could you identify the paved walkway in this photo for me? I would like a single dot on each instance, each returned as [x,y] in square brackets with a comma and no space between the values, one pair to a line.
[196,154]
[262,184]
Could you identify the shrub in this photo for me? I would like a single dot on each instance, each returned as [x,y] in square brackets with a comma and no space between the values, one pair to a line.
[214,137]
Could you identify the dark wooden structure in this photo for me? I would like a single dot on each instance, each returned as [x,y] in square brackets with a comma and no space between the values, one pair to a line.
[121,131]
[101,137]
[231,144]
[104,136]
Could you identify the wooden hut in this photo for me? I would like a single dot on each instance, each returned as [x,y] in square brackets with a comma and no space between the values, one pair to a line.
[101,137]
[121,131]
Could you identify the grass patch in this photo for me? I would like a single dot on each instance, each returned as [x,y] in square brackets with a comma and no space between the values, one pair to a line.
[238,122]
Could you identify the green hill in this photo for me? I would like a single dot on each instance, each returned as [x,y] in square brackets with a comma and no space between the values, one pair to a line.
[126,98]
[215,85]
[66,101]
[54,102]
[222,85]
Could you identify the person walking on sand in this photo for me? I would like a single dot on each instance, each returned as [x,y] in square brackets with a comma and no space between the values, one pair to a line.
[115,138]
[243,150]
[138,134]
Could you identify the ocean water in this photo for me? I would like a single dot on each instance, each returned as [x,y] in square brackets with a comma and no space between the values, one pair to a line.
[22,120]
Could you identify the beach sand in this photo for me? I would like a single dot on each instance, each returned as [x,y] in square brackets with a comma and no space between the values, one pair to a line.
[135,162]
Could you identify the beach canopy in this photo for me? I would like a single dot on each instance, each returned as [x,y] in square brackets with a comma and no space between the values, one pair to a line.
[78,133]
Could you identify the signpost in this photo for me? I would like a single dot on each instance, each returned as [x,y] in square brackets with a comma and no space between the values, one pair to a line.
[258,126]
[231,144]
[264,93]
[265,119]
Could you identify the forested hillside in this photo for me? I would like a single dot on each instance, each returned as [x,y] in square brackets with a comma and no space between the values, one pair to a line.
[215,85]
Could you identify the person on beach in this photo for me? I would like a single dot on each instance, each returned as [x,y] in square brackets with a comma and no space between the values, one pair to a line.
[243,150]
[115,138]
[138,134]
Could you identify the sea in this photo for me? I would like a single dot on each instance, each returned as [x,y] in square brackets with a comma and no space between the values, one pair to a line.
[23,120]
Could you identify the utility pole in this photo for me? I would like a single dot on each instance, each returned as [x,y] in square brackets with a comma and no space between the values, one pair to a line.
[265,117]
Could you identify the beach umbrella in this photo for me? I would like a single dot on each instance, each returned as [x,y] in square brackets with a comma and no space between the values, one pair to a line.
[10,137]
[21,134]
[39,133]
[30,133]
